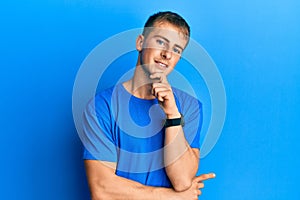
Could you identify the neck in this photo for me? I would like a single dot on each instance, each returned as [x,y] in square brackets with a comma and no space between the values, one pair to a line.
[140,84]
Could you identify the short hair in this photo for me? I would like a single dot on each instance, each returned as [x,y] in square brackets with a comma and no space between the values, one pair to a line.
[170,17]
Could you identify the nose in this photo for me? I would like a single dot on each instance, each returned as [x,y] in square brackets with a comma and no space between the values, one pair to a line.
[166,54]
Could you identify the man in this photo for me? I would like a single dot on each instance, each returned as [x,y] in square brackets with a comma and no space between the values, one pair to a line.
[143,135]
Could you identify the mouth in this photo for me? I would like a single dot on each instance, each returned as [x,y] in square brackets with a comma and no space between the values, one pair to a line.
[161,64]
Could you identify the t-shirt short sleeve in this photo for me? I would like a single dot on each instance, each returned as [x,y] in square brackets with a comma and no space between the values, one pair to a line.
[98,139]
[191,109]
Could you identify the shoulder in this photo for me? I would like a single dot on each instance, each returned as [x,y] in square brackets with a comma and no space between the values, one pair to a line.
[102,99]
[186,102]
[107,94]
[182,96]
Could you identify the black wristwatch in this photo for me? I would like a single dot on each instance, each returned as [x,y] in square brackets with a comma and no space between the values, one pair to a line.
[174,122]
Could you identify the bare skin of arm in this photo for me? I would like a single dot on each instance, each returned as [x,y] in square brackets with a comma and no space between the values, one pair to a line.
[180,159]
[105,184]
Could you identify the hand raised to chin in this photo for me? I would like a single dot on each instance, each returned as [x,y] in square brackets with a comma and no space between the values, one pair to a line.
[162,90]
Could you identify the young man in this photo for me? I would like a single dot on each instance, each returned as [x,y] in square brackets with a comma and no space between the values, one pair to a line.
[143,134]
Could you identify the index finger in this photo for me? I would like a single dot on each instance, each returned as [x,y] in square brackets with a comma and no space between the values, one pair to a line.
[204,177]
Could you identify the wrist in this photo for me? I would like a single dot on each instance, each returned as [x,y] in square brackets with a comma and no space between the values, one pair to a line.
[174,121]
[173,115]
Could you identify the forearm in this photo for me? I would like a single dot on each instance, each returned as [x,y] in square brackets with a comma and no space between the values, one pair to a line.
[180,159]
[105,184]
[123,189]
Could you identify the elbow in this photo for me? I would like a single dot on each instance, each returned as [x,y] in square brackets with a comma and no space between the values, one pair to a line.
[98,196]
[182,185]
[180,181]
[99,192]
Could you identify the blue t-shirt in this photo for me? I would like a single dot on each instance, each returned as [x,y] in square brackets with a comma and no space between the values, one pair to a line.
[122,128]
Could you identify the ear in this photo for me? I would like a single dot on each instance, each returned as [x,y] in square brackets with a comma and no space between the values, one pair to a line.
[139,42]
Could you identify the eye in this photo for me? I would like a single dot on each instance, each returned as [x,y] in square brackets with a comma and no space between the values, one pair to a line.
[160,42]
[177,50]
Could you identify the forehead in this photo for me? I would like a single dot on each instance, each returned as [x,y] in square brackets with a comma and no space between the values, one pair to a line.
[170,32]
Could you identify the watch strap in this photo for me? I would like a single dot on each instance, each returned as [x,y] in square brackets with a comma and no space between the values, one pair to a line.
[174,122]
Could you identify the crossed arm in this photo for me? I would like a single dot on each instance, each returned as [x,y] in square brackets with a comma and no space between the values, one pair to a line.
[181,166]
[183,163]
[105,184]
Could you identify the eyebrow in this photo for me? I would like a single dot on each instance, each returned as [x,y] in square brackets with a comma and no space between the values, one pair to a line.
[168,41]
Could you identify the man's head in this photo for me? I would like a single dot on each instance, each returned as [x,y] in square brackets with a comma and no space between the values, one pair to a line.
[164,38]
[167,17]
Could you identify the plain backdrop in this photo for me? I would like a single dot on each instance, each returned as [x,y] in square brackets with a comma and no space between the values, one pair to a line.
[255,45]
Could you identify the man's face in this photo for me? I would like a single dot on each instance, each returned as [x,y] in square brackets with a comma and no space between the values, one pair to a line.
[162,48]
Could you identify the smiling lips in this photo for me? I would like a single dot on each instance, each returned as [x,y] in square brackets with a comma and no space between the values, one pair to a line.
[161,65]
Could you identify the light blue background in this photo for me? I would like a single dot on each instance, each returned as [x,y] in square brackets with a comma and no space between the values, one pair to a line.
[255,45]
